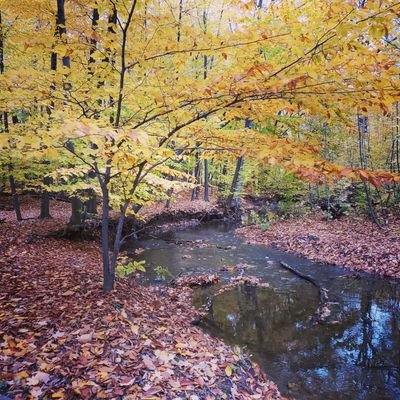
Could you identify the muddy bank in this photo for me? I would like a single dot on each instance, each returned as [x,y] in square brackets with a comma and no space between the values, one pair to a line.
[351,242]
[178,220]
[182,213]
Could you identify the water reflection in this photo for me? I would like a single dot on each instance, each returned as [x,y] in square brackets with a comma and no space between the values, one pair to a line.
[355,355]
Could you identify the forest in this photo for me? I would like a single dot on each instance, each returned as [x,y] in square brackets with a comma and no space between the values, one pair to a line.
[199,199]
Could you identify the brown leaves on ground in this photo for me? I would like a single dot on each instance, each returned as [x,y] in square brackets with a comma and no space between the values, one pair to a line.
[61,338]
[355,243]
[181,202]
[196,280]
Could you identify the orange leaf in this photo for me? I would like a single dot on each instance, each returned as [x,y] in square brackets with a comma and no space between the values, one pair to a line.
[363,175]
[346,172]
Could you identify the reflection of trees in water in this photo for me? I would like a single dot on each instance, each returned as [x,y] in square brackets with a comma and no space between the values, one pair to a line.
[263,316]
[379,352]
[367,351]
[358,355]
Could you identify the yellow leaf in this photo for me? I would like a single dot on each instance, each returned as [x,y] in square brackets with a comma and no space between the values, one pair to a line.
[228,370]
[21,375]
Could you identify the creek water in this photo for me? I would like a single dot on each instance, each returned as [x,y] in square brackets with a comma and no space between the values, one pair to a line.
[354,354]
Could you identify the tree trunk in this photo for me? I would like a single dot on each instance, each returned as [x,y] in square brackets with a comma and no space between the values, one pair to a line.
[235,183]
[169,194]
[108,277]
[60,33]
[233,200]
[45,201]
[76,211]
[362,122]
[196,190]
[104,179]
[206,181]
[118,237]
[178,39]
[394,163]
[15,198]
[1,45]
[91,203]
[61,30]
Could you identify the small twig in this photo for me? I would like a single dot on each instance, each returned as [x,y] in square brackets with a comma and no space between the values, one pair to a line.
[131,234]
[204,215]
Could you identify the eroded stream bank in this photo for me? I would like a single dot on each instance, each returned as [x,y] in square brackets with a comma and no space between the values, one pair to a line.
[355,354]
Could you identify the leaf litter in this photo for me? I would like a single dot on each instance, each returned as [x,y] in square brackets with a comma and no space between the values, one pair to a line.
[61,338]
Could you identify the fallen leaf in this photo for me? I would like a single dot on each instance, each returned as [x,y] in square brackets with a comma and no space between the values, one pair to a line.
[85,338]
[148,363]
[38,378]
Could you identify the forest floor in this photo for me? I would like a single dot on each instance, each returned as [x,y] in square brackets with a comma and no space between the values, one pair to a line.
[62,338]
[352,241]
[181,202]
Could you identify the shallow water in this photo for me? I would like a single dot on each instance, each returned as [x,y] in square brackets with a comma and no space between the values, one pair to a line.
[355,354]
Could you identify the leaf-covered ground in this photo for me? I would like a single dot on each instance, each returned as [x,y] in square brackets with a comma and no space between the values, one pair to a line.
[181,202]
[61,338]
[352,242]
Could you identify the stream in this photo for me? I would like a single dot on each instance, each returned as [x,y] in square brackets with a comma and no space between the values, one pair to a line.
[354,354]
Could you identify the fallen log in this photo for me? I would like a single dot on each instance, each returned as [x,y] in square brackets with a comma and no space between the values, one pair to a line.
[323,292]
[323,310]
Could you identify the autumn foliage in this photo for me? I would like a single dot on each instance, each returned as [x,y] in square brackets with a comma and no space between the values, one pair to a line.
[98,97]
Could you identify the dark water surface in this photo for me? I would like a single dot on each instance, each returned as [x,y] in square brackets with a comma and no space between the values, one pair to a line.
[355,354]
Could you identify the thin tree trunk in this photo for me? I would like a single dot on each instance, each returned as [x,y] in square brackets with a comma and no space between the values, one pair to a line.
[61,30]
[109,268]
[362,132]
[123,64]
[169,194]
[118,237]
[108,277]
[60,33]
[233,200]
[196,190]
[206,181]
[15,199]
[235,182]
[180,20]
[224,171]
[1,45]
[395,145]
[93,43]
